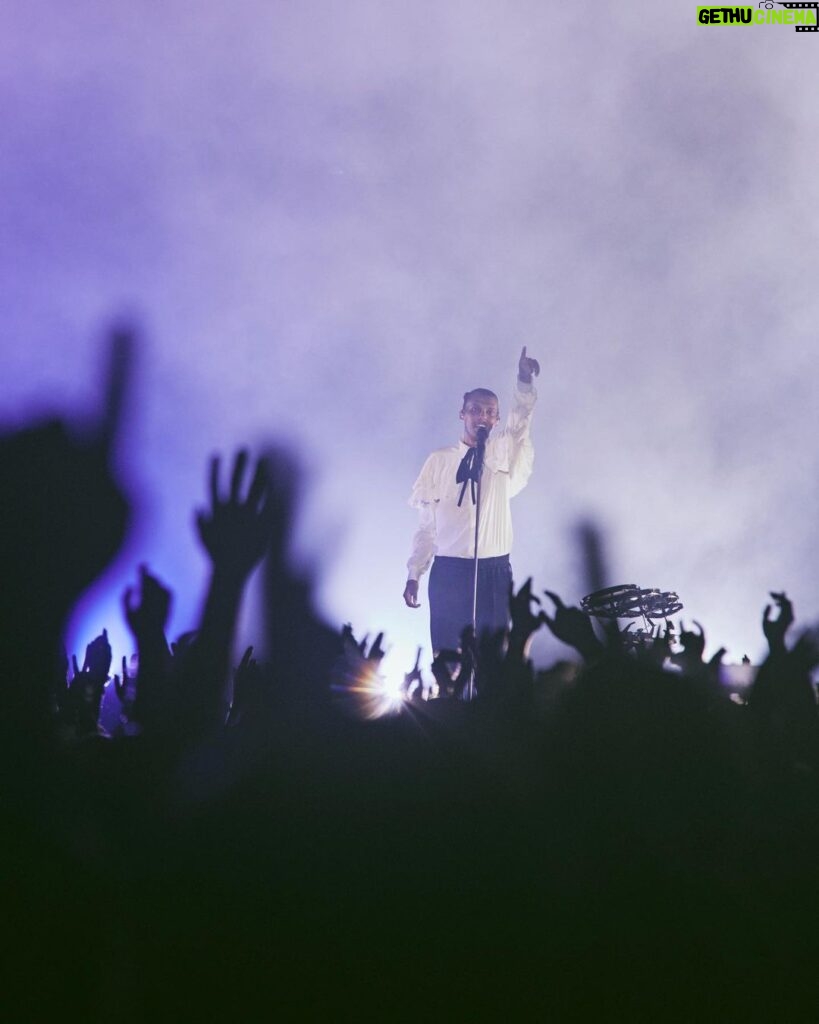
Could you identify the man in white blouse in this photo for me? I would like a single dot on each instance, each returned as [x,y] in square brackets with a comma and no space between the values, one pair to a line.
[446,533]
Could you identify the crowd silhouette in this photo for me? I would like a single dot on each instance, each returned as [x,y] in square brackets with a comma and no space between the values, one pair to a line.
[189,835]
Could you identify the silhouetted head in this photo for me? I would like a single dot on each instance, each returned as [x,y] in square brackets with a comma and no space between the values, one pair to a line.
[480,409]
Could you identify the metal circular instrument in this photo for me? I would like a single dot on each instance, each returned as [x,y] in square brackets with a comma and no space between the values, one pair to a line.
[628,601]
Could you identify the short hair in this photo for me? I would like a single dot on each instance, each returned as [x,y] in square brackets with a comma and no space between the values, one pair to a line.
[479,393]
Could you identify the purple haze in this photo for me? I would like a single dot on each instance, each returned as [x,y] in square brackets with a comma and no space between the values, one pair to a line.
[332,219]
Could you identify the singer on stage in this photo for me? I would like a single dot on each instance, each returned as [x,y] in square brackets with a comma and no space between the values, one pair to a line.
[445,496]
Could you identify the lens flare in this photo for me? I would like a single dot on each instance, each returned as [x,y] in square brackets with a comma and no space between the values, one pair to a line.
[363,690]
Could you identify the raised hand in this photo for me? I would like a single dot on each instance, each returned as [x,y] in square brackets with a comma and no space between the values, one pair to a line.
[413,681]
[121,687]
[527,367]
[660,648]
[236,532]
[693,646]
[377,652]
[573,627]
[520,606]
[775,629]
[97,656]
[87,684]
[525,623]
[62,519]
[148,615]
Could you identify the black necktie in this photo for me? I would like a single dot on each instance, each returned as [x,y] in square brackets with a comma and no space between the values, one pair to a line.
[468,472]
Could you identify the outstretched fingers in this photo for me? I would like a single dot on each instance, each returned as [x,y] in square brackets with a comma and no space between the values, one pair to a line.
[214,481]
[239,464]
[259,485]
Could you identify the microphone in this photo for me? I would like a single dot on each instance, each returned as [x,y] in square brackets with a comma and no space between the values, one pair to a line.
[482,433]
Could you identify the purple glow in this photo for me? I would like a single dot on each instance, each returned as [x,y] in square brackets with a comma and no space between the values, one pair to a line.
[334,218]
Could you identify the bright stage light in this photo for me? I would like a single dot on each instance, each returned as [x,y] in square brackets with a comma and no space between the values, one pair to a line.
[364,691]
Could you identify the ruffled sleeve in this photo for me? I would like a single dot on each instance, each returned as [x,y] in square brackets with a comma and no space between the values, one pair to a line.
[425,490]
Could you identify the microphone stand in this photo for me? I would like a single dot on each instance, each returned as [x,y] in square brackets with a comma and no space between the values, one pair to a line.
[478,469]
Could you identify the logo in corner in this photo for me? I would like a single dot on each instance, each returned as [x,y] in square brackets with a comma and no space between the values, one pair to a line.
[803,16]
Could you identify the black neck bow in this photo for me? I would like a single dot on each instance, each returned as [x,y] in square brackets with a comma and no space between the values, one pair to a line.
[469,471]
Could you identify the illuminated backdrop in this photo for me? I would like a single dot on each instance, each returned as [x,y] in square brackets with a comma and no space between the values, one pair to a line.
[333,218]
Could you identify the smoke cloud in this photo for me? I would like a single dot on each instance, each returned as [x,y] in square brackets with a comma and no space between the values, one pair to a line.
[333,219]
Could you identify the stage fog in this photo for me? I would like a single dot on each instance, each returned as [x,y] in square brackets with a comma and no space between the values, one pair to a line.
[330,220]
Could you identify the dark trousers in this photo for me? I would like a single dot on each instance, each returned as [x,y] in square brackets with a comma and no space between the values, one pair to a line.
[450,597]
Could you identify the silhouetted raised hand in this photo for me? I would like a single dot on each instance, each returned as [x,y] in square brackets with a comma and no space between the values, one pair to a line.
[690,659]
[236,531]
[125,689]
[413,685]
[97,656]
[362,649]
[782,699]
[85,691]
[121,686]
[63,518]
[377,652]
[525,623]
[693,647]
[573,627]
[775,629]
[657,647]
[147,616]
[518,670]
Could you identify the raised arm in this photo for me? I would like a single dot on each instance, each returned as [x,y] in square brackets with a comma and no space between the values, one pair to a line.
[775,629]
[521,450]
[62,519]
[146,611]
[527,367]
[235,531]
